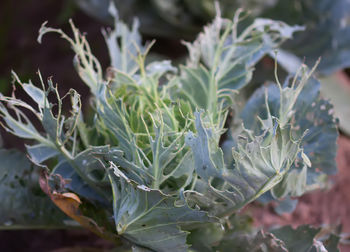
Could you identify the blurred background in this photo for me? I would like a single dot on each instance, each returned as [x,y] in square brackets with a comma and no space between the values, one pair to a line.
[327,35]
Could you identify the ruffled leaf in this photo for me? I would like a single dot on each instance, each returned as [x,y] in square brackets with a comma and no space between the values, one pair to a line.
[311,113]
[260,164]
[149,218]
[221,61]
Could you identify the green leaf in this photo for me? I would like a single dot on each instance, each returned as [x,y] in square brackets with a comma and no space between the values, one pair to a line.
[195,86]
[162,164]
[153,22]
[23,204]
[287,205]
[326,22]
[166,183]
[205,236]
[327,32]
[210,236]
[163,157]
[157,69]
[124,44]
[149,218]
[260,164]
[220,45]
[86,174]
[332,243]
[18,123]
[114,119]
[86,64]
[149,137]
[245,242]
[293,184]
[59,129]
[301,239]
[36,94]
[39,153]
[310,113]
[221,61]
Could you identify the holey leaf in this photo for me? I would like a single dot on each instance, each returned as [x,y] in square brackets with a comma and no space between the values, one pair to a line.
[123,44]
[222,59]
[60,129]
[150,139]
[86,64]
[259,164]
[149,218]
[221,44]
[308,111]
[164,156]
[60,139]
[86,174]
[23,205]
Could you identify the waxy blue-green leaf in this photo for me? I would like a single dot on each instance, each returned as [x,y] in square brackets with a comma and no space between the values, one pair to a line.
[259,164]
[23,205]
[222,59]
[164,156]
[147,131]
[286,205]
[221,45]
[86,64]
[284,239]
[205,236]
[149,218]
[84,171]
[326,22]
[86,174]
[247,242]
[163,162]
[327,33]
[114,119]
[58,128]
[19,124]
[309,112]
[301,239]
[157,69]
[39,153]
[195,87]
[124,44]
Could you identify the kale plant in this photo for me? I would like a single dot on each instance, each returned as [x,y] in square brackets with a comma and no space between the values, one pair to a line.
[172,153]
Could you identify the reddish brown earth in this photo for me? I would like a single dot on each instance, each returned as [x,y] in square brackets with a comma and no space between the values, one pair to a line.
[320,207]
